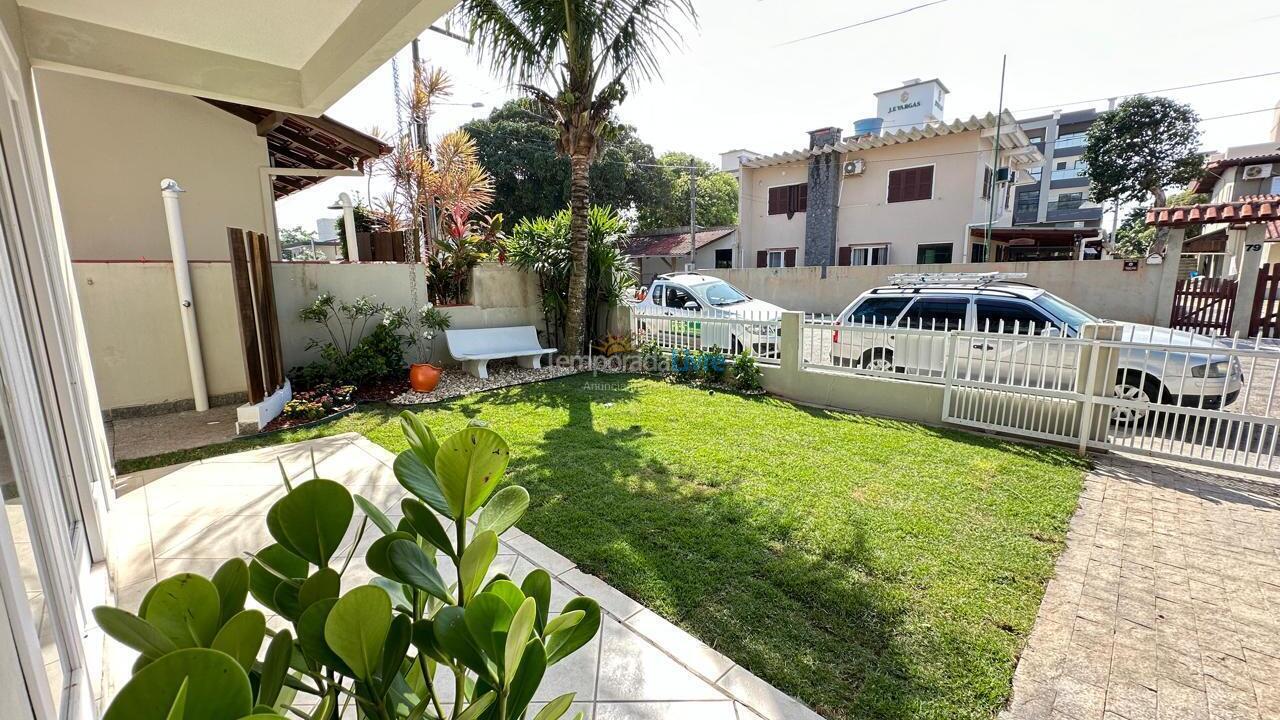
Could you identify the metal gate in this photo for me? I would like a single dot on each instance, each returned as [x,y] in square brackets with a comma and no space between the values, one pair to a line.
[1194,399]
[1204,305]
[1264,318]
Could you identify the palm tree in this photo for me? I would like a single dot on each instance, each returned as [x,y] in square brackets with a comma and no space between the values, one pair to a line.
[575,58]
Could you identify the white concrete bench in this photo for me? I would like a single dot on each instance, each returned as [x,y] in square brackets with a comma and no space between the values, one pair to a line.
[475,348]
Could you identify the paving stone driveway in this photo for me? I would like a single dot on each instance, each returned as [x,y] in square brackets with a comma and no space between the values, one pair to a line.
[1165,604]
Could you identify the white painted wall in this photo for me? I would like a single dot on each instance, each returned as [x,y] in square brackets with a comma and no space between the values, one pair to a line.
[111,144]
[1102,287]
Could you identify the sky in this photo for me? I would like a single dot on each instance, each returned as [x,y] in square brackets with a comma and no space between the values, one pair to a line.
[737,81]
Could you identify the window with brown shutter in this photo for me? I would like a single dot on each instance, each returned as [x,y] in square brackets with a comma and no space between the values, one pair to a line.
[762,258]
[789,257]
[910,184]
[845,256]
[789,199]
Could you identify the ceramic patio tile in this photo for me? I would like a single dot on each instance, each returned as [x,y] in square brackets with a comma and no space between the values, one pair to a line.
[552,561]
[765,699]
[687,710]
[611,600]
[692,652]
[631,668]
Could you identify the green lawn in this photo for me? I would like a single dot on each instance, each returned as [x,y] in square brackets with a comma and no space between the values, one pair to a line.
[872,568]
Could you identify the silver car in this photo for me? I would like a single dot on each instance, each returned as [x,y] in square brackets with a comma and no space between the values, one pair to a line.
[894,328]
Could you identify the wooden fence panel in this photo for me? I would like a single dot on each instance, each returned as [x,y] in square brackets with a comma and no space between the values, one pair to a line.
[243,286]
[1204,305]
[1264,316]
[268,323]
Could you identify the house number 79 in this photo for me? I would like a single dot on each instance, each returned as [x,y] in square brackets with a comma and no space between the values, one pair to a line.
[1253,247]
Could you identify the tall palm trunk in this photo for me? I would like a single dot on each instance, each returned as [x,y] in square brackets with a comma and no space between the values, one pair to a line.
[575,315]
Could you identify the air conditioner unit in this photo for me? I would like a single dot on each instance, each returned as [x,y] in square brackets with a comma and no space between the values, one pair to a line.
[855,167]
[1256,172]
[690,267]
[1003,175]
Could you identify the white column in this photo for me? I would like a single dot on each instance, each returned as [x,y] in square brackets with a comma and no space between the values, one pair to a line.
[1250,262]
[1169,276]
[186,300]
[349,227]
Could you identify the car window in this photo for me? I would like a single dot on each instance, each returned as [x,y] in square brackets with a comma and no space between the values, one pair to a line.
[722,293]
[678,297]
[1063,311]
[656,293]
[877,310]
[935,313]
[1010,316]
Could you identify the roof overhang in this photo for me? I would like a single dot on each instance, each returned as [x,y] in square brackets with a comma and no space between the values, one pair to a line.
[1248,209]
[292,55]
[1014,143]
[1214,169]
[1064,236]
[300,142]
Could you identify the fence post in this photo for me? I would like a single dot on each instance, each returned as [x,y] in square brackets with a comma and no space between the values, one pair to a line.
[789,353]
[1247,287]
[1169,276]
[948,372]
[1095,378]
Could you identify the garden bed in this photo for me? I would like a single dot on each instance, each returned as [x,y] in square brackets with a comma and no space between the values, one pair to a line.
[456,382]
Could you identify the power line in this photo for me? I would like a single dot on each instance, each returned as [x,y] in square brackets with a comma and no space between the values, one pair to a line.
[861,23]
[1151,92]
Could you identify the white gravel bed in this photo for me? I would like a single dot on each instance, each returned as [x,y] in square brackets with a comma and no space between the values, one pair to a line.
[456,382]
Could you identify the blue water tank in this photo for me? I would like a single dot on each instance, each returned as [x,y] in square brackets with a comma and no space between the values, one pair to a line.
[867,126]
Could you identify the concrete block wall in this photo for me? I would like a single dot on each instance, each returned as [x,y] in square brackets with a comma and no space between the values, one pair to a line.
[135,334]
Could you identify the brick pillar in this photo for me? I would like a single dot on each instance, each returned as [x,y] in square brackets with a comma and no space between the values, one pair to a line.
[824,198]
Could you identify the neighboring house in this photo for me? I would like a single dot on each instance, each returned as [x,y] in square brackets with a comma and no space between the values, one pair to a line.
[906,188]
[655,252]
[1247,172]
[1059,197]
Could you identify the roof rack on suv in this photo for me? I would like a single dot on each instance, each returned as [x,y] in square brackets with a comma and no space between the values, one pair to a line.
[979,279]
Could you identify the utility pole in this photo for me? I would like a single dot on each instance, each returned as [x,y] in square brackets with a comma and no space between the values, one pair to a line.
[424,146]
[995,166]
[693,213]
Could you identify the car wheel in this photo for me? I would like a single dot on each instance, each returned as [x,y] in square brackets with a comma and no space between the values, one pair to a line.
[1136,387]
[878,359]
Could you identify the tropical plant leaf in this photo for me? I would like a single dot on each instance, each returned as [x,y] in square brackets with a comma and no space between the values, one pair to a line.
[564,621]
[424,638]
[555,709]
[475,563]
[562,644]
[413,567]
[503,510]
[469,466]
[378,517]
[185,608]
[420,480]
[394,649]
[521,687]
[421,440]
[427,525]
[323,583]
[268,570]
[377,557]
[133,632]
[478,706]
[232,581]
[241,637]
[311,520]
[357,628]
[518,636]
[275,664]
[217,688]
[453,636]
[508,591]
[179,708]
[488,618]
[537,585]
[311,635]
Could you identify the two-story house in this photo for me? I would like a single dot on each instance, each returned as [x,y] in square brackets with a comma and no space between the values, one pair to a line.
[904,188]
[1240,173]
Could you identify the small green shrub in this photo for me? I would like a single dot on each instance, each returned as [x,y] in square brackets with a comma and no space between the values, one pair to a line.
[711,364]
[745,372]
[378,646]
[685,365]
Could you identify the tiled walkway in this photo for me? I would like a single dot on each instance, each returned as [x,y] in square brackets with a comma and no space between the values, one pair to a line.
[1165,604]
[192,517]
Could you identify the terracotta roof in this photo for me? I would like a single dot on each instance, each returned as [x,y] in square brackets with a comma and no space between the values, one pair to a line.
[669,244]
[1213,170]
[1250,208]
[1013,142]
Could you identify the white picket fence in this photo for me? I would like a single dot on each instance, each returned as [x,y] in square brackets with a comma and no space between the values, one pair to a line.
[697,330]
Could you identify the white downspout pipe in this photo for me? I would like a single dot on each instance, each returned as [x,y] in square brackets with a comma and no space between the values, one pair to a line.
[186,300]
[349,226]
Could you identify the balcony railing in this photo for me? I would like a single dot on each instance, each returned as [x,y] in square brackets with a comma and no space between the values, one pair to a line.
[1070,141]
[1070,173]
[1065,205]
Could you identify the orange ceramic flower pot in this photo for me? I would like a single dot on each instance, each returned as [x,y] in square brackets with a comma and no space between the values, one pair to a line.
[424,377]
